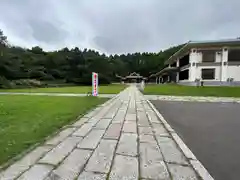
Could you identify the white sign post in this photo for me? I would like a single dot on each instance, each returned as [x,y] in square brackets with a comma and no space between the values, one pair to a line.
[95,84]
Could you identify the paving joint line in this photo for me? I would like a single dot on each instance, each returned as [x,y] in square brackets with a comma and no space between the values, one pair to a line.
[118,140]
[138,142]
[93,150]
[60,162]
[155,138]
[36,162]
[115,98]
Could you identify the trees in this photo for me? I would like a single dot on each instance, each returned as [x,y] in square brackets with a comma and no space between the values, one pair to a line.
[73,65]
[3,39]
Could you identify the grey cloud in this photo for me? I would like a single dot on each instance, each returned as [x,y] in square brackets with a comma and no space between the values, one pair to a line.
[118,26]
[44,31]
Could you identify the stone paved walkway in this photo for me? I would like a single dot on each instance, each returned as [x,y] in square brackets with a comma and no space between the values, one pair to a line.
[125,138]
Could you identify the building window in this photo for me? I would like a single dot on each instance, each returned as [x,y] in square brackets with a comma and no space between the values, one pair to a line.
[234,55]
[208,73]
[184,75]
[184,60]
[208,56]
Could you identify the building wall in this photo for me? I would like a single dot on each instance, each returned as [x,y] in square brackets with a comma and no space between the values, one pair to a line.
[218,56]
[193,58]
[222,72]
[224,68]
[196,72]
[233,72]
[217,72]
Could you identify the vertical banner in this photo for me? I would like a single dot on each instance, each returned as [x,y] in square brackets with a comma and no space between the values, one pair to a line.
[95,84]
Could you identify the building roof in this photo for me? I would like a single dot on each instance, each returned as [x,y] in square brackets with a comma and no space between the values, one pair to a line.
[165,70]
[131,75]
[201,44]
[134,75]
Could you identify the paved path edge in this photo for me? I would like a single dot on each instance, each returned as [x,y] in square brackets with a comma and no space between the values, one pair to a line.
[197,165]
[193,98]
[58,94]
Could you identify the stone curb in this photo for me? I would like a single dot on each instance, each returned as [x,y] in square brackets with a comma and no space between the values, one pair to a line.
[193,98]
[56,94]
[196,164]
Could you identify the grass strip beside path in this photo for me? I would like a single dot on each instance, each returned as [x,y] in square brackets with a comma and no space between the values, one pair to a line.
[110,89]
[178,90]
[25,121]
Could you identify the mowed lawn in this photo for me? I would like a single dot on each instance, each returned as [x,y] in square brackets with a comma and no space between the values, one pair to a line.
[110,89]
[178,90]
[25,121]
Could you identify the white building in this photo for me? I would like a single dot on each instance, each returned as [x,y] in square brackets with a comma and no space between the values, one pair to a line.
[212,62]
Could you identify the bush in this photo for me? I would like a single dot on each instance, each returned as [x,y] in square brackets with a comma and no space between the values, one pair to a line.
[29,83]
[86,79]
[57,74]
[102,79]
[35,74]
[47,77]
[5,84]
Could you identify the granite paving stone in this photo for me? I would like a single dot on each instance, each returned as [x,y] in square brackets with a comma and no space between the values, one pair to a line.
[145,130]
[92,139]
[113,131]
[72,165]
[152,165]
[131,110]
[147,138]
[102,157]
[91,114]
[124,168]
[92,176]
[80,122]
[131,117]
[142,119]
[61,136]
[170,150]
[113,111]
[130,127]
[93,121]
[127,144]
[119,118]
[159,130]
[103,123]
[22,165]
[182,172]
[57,154]
[83,130]
[152,117]
[37,172]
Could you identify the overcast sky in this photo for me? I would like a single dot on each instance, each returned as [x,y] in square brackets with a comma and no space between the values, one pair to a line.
[117,26]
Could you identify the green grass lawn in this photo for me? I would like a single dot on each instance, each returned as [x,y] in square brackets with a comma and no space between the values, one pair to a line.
[26,121]
[110,89]
[178,90]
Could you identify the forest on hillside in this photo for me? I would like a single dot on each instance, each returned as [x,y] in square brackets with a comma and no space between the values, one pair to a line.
[20,67]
